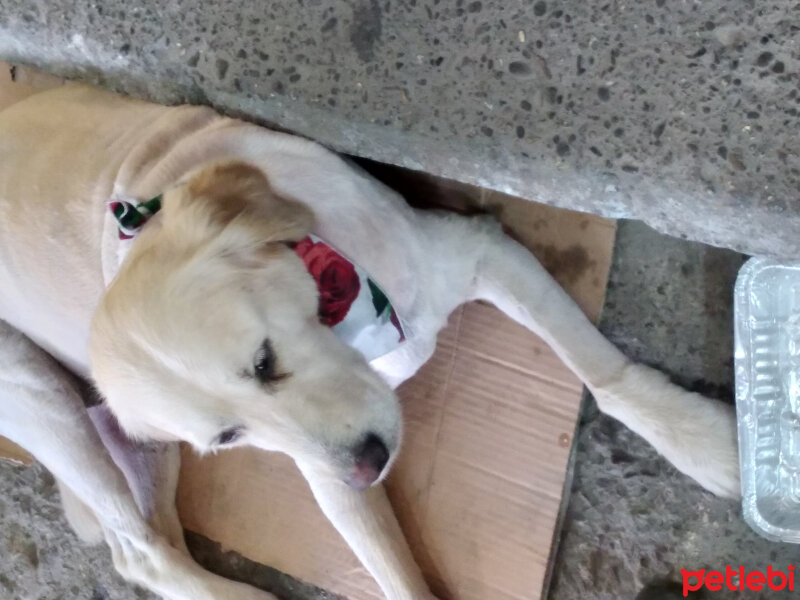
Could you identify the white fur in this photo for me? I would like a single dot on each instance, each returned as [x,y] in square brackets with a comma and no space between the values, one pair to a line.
[80,517]
[175,334]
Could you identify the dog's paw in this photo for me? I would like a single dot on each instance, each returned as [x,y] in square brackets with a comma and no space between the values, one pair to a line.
[171,573]
[701,441]
[707,450]
[696,434]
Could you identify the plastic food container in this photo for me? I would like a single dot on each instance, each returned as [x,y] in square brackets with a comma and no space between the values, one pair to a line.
[767,361]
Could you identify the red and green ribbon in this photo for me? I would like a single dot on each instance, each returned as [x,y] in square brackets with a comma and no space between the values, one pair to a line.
[131,216]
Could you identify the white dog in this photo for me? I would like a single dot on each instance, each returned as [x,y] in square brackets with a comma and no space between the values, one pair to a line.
[206,326]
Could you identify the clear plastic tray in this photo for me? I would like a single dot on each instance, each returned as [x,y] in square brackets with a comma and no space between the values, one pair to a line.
[767,360]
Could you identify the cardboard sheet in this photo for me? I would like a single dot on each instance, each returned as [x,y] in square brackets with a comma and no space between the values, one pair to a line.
[489,419]
[10,452]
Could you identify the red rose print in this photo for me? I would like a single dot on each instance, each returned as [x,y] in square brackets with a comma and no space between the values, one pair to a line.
[337,280]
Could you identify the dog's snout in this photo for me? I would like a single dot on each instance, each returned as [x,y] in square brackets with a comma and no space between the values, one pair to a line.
[370,458]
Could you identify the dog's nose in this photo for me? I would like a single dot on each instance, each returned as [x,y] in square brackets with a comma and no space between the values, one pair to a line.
[371,457]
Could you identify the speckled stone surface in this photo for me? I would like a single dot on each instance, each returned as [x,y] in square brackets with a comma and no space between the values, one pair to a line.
[41,559]
[684,114]
[632,519]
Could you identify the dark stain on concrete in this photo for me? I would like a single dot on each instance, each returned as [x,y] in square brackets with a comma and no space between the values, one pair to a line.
[366,29]
[222,68]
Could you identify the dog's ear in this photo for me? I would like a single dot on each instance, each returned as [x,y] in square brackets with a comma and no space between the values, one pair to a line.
[236,201]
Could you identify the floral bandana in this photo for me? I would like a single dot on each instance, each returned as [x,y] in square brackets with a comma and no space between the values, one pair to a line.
[350,302]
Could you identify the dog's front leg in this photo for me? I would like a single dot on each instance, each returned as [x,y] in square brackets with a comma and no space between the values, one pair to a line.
[695,433]
[367,522]
[42,412]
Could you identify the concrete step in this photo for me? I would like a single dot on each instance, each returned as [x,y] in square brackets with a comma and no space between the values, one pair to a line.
[683,115]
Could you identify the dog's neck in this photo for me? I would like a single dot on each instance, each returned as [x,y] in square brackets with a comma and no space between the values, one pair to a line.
[347,217]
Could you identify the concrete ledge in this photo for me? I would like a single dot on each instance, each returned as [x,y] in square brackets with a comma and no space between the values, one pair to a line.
[684,115]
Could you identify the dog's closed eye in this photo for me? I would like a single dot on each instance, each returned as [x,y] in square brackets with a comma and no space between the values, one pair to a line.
[229,436]
[264,364]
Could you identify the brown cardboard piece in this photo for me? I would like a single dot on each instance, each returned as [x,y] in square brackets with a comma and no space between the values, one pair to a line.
[12,453]
[489,424]
[18,82]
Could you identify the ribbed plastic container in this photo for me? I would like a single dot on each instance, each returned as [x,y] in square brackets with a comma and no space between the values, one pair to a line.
[767,360]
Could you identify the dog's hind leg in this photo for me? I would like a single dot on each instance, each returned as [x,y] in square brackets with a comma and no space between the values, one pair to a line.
[151,470]
[695,433]
[42,412]
[165,465]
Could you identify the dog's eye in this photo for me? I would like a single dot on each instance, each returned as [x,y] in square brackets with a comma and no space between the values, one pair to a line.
[264,363]
[229,436]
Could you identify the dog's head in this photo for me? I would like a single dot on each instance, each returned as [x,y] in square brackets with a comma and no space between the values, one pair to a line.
[210,334]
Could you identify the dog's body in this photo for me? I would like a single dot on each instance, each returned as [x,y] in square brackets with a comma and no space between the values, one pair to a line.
[171,372]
